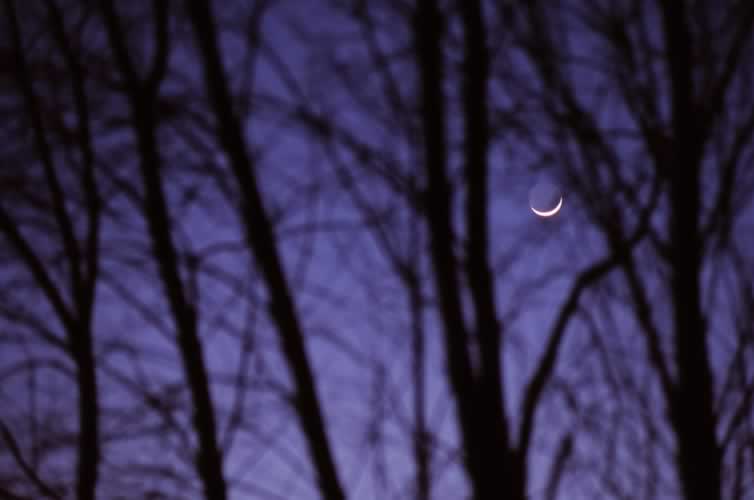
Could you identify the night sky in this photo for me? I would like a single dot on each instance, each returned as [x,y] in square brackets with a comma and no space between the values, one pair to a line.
[287,250]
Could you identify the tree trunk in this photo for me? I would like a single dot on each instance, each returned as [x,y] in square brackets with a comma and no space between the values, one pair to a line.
[260,238]
[692,405]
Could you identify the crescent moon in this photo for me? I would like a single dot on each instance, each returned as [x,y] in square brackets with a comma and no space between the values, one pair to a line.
[549,213]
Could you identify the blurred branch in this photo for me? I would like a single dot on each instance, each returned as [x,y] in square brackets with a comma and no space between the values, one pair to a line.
[15,450]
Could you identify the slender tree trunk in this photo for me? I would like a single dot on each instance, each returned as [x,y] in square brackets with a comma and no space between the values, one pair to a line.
[89,444]
[428,32]
[142,100]
[421,444]
[82,280]
[209,460]
[261,240]
[494,469]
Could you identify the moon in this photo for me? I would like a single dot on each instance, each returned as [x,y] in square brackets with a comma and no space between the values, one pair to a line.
[548,213]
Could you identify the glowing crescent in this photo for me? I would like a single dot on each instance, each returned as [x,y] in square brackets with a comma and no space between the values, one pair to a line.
[549,213]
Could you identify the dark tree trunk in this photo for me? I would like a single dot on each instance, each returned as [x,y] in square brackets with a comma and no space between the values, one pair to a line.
[142,100]
[209,460]
[421,443]
[89,443]
[261,241]
[500,465]
[478,403]
[82,278]
[692,404]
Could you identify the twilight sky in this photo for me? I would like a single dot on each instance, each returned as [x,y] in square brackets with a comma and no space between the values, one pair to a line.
[323,126]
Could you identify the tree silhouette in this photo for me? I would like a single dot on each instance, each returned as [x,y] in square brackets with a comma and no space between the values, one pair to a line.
[283,250]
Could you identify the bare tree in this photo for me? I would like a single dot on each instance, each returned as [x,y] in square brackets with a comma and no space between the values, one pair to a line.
[72,210]
[142,95]
[263,246]
[495,454]
[321,210]
[677,74]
